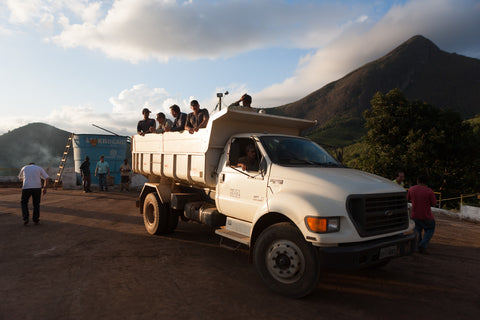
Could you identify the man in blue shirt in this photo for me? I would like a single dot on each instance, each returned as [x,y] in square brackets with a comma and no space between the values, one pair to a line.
[103,171]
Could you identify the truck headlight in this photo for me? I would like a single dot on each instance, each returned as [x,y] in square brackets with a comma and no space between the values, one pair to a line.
[323,225]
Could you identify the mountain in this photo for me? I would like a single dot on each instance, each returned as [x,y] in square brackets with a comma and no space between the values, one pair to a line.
[36,142]
[417,67]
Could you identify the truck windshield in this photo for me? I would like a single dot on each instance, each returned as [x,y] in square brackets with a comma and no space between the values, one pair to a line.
[296,151]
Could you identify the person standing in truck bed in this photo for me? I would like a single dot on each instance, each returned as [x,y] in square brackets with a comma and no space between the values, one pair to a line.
[180,119]
[196,119]
[146,125]
[246,101]
[163,123]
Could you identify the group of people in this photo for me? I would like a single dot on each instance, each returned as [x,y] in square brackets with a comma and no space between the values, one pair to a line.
[422,199]
[102,170]
[32,175]
[191,122]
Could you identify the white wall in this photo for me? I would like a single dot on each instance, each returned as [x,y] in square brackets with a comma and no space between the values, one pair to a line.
[470,213]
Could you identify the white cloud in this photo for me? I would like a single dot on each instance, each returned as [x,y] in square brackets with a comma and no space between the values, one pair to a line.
[137,30]
[6,31]
[24,11]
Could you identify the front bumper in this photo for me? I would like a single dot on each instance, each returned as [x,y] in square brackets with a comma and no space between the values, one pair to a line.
[364,254]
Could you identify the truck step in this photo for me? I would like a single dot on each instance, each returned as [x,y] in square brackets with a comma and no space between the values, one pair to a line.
[232,235]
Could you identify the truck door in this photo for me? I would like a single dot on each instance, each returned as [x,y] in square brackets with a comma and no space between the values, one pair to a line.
[241,193]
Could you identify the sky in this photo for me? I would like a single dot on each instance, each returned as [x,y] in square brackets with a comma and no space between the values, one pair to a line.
[74,63]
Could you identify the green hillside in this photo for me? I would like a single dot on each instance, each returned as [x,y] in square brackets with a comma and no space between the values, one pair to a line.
[36,142]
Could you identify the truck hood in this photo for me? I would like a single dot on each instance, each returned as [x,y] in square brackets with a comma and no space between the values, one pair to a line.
[337,180]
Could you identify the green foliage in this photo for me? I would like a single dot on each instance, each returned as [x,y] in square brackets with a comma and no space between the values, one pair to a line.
[418,138]
[353,155]
[339,132]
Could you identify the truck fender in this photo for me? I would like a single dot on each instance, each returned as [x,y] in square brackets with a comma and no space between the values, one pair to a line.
[290,207]
[163,191]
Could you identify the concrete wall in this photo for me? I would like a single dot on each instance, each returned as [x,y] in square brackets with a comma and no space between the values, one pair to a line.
[466,213]
[470,213]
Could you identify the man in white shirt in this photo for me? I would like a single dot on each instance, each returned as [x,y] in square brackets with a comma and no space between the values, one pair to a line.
[32,176]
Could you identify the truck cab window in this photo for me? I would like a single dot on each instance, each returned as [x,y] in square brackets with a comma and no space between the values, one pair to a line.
[248,158]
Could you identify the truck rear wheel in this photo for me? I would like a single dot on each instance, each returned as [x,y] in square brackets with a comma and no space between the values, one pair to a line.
[285,262]
[155,215]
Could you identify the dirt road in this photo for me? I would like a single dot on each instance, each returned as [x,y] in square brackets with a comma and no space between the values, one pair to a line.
[92,259]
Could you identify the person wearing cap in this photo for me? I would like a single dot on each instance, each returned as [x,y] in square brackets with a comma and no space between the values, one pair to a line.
[146,125]
[196,119]
[179,119]
[163,123]
[246,101]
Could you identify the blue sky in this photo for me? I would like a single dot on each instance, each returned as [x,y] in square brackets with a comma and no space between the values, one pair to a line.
[74,63]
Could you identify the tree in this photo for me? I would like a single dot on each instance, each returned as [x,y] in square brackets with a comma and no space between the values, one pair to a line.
[419,138]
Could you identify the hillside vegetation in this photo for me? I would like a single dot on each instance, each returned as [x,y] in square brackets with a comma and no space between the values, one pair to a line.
[36,142]
[419,139]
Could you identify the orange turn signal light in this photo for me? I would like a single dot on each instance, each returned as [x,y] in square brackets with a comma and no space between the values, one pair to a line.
[317,224]
[323,225]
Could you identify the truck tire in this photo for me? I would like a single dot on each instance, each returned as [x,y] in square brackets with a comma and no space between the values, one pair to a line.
[155,215]
[285,262]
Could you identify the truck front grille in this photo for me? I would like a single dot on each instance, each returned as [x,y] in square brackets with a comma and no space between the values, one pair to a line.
[374,214]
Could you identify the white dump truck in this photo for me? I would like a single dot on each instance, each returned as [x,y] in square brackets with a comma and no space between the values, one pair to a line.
[292,204]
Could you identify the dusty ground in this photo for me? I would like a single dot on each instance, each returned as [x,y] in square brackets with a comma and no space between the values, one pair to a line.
[91,259]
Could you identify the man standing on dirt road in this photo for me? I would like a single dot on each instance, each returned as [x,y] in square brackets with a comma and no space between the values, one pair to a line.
[422,198]
[32,176]
[102,170]
[86,177]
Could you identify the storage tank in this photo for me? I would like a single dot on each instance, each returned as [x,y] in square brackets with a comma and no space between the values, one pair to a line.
[113,148]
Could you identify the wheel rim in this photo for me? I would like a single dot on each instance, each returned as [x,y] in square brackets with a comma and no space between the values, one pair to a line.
[285,261]
[149,214]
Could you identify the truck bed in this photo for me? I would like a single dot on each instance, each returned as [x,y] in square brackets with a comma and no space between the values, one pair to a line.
[193,158]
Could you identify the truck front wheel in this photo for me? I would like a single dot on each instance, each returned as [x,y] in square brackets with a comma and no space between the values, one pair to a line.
[155,215]
[286,263]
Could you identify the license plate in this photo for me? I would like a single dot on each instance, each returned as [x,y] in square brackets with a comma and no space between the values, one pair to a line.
[386,252]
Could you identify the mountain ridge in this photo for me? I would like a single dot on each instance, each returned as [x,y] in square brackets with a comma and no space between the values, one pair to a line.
[419,68]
